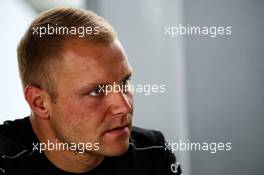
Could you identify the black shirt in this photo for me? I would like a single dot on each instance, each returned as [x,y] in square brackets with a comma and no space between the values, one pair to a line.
[146,154]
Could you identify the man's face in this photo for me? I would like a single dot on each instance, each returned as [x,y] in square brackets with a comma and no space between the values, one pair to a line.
[82,113]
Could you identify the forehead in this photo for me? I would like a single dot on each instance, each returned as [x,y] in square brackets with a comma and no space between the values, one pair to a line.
[94,61]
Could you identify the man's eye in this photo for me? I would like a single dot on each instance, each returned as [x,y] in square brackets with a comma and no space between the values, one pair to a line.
[125,82]
[125,86]
[97,92]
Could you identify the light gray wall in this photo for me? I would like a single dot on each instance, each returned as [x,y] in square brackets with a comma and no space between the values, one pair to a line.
[225,86]
[15,16]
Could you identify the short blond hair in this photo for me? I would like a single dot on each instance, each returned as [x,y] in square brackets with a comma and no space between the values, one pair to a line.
[36,54]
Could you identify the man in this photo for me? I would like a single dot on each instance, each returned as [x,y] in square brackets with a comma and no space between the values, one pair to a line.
[69,60]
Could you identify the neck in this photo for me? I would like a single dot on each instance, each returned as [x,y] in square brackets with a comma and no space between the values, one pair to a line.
[66,160]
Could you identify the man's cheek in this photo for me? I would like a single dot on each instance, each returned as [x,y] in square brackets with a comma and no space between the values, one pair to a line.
[95,107]
[130,98]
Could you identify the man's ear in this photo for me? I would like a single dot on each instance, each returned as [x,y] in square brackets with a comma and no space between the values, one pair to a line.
[38,101]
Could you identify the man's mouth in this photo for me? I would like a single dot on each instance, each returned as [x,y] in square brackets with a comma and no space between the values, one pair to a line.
[125,129]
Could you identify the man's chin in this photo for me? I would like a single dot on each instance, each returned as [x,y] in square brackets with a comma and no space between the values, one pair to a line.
[115,148]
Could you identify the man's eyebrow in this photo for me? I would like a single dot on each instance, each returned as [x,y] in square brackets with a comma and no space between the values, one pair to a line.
[89,87]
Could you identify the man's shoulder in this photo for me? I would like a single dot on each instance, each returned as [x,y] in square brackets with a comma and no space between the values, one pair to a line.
[14,135]
[15,129]
[146,138]
[15,146]
[148,149]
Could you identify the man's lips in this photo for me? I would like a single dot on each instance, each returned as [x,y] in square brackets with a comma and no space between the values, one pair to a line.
[119,129]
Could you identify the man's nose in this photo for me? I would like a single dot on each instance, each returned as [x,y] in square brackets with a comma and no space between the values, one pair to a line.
[121,103]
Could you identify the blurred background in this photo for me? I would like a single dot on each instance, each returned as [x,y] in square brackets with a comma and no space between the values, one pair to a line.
[214,85]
